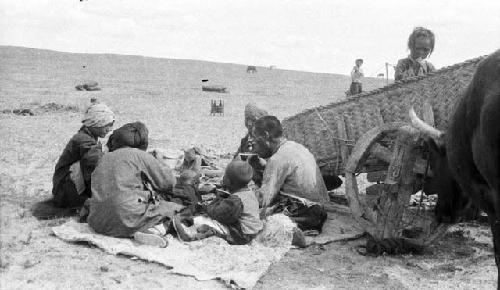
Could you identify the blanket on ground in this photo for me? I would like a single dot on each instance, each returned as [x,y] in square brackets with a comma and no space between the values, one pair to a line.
[214,258]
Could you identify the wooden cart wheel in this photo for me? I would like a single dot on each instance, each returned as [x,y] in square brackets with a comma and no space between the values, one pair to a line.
[387,214]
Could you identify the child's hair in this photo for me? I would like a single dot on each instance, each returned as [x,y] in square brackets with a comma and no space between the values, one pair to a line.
[238,174]
[420,32]
[359,60]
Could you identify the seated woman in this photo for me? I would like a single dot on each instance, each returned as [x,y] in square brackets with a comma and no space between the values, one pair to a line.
[71,180]
[125,184]
[252,114]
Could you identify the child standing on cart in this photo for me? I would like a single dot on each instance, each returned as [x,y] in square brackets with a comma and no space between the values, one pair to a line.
[421,45]
[356,77]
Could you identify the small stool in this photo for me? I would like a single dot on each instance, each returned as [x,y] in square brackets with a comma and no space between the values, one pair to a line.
[217,107]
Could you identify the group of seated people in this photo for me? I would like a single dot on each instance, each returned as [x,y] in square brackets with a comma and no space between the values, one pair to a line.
[127,192]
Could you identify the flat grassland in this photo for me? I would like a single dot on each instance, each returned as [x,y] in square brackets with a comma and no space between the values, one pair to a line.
[166,95]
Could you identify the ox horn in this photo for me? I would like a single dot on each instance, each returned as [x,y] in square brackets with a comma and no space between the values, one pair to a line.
[424,127]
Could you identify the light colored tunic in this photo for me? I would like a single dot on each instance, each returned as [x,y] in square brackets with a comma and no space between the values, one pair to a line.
[356,74]
[250,219]
[292,171]
[120,204]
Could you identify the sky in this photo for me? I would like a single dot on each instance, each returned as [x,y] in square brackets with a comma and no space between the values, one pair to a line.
[315,35]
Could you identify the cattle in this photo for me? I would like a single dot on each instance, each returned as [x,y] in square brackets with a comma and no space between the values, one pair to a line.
[251,69]
[466,158]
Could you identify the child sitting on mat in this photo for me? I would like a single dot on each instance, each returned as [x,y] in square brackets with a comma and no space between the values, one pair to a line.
[234,217]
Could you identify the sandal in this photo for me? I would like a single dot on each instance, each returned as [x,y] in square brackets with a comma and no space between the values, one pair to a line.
[151,239]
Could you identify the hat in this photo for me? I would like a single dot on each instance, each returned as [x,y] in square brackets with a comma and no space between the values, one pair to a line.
[238,173]
[253,112]
[98,115]
[133,135]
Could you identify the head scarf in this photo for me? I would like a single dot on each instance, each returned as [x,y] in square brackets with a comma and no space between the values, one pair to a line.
[97,115]
[254,113]
[134,135]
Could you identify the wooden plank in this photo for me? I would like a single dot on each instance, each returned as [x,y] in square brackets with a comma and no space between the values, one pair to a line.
[344,150]
[337,208]
[400,178]
[381,152]
[420,166]
[375,189]
[376,176]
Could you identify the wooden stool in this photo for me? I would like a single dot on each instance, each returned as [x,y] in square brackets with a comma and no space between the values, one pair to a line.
[217,107]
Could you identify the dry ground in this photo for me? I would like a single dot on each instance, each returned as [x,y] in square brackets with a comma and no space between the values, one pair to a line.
[166,95]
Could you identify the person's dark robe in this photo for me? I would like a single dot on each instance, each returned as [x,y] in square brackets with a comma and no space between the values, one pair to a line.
[83,147]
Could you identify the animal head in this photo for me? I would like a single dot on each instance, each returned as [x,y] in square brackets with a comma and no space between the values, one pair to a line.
[451,200]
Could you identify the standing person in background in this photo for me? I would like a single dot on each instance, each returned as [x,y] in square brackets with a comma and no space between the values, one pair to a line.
[421,45]
[356,78]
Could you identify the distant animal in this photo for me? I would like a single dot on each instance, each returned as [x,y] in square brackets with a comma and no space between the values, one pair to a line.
[204,80]
[380,75]
[466,158]
[251,69]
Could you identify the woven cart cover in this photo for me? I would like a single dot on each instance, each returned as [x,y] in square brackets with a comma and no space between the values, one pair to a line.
[317,128]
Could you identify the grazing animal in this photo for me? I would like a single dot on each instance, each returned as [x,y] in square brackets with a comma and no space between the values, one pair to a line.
[251,69]
[468,154]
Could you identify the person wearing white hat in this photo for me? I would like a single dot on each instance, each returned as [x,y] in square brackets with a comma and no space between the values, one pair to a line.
[71,179]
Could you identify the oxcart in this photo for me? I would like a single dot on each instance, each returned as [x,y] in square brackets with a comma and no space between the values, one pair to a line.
[371,133]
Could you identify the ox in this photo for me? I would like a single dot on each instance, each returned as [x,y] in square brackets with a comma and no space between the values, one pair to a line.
[466,157]
[251,69]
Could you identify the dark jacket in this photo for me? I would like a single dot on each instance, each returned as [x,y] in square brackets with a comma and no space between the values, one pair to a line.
[83,147]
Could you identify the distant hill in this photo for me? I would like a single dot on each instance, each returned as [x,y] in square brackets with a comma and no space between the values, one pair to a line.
[45,66]
[165,94]
[38,73]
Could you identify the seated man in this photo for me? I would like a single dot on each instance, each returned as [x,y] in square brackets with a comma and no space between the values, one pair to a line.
[292,181]
[125,184]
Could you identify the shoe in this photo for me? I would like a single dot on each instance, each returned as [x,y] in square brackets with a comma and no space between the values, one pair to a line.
[151,239]
[298,239]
